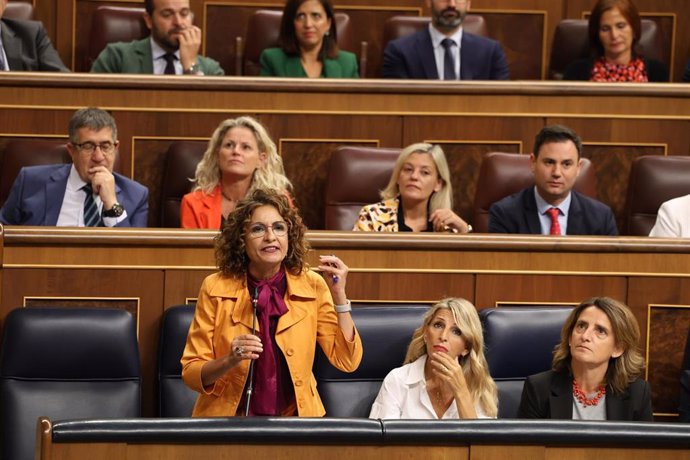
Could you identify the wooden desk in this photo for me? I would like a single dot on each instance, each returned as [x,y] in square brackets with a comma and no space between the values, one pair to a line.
[286,439]
[148,270]
[309,119]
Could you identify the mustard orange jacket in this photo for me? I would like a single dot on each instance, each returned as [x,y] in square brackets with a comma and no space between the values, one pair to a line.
[224,310]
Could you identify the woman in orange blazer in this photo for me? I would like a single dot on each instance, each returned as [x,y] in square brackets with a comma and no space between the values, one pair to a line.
[240,158]
[261,254]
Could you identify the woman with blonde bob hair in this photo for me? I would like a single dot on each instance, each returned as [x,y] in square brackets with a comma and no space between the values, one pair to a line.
[596,369]
[418,198]
[445,375]
[240,158]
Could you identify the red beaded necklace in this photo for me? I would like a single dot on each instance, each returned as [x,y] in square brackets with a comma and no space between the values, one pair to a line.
[582,397]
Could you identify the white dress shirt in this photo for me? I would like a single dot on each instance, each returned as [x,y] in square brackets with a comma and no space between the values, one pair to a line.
[72,210]
[403,395]
[440,52]
[159,62]
[673,219]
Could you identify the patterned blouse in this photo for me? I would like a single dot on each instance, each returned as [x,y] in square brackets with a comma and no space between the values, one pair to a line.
[604,71]
[378,217]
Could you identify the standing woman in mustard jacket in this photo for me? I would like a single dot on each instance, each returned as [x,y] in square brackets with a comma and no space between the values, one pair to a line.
[308,44]
[261,254]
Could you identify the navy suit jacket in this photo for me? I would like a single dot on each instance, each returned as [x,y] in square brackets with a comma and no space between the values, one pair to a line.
[37,194]
[549,395]
[28,47]
[518,214]
[412,57]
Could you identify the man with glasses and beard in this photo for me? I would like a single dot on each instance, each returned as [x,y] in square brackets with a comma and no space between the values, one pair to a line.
[172,48]
[444,51]
[86,193]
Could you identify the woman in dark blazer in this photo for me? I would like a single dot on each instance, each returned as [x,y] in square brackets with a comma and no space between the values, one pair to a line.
[308,44]
[595,371]
[614,33]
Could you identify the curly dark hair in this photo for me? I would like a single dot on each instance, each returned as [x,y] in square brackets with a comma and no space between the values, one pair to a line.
[230,247]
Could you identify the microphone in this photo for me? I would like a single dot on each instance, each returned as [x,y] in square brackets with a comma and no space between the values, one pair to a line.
[250,385]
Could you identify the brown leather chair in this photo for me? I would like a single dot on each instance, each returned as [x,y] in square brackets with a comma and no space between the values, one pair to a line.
[19,10]
[502,174]
[653,180]
[263,30]
[28,152]
[571,42]
[112,24]
[180,166]
[356,175]
[401,26]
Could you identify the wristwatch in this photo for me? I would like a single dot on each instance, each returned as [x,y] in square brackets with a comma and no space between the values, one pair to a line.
[116,211]
[192,70]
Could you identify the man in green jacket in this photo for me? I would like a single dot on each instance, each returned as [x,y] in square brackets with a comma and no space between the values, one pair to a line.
[172,48]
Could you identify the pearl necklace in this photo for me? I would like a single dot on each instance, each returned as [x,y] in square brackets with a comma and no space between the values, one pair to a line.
[580,395]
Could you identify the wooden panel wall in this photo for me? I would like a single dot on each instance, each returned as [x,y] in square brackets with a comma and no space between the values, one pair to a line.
[309,119]
[146,271]
[524,27]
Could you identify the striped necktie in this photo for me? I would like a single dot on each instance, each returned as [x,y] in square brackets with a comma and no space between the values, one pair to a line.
[92,218]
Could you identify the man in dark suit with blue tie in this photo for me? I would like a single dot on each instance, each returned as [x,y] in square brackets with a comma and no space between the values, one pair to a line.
[86,193]
[444,51]
[552,207]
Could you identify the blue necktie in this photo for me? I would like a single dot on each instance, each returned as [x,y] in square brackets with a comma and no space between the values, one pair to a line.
[2,60]
[448,61]
[92,218]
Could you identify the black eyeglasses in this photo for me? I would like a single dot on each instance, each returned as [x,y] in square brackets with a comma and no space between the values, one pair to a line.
[90,147]
[258,230]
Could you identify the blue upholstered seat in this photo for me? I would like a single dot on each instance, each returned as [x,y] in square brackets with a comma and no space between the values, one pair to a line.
[66,363]
[386,331]
[175,399]
[519,342]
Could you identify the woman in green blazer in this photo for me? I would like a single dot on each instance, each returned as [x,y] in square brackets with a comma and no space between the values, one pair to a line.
[308,44]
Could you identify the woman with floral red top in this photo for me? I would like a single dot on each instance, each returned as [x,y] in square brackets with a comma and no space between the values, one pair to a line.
[614,33]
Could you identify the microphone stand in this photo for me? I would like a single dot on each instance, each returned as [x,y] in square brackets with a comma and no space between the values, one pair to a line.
[250,385]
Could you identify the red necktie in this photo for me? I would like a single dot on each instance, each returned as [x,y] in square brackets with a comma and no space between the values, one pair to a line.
[555,226]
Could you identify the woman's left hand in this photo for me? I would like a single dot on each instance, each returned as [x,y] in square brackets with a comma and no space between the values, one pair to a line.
[335,273]
[449,370]
[445,220]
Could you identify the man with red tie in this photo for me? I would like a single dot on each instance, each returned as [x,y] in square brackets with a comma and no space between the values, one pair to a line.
[552,207]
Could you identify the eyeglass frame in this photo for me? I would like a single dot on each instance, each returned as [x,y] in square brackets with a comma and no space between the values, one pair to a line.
[81,147]
[265,229]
